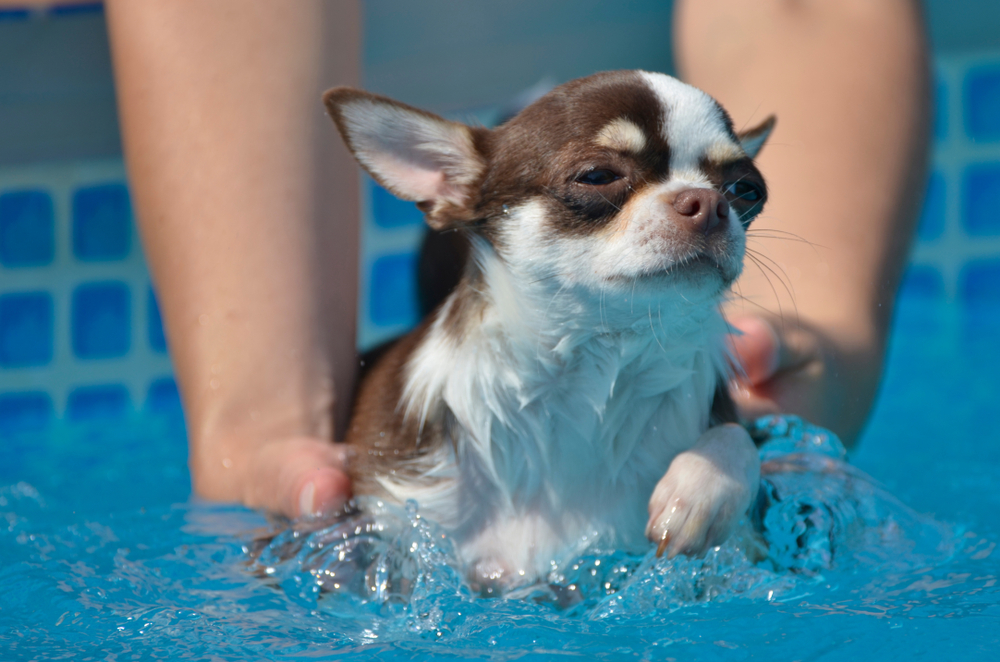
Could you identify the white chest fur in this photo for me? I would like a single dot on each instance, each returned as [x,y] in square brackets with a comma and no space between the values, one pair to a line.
[558,434]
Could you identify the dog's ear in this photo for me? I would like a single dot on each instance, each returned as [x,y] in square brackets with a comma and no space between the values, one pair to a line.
[753,139]
[416,155]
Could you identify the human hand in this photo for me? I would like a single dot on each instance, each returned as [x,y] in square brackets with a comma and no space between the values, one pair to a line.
[298,476]
[790,367]
[705,492]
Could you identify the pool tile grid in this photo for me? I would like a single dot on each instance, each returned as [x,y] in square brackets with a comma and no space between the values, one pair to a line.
[67,254]
[391,232]
[79,334]
[958,244]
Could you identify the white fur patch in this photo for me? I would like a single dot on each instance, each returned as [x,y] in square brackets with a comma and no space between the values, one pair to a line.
[694,123]
[622,135]
[571,409]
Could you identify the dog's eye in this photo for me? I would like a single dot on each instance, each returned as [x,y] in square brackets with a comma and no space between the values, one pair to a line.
[598,177]
[745,191]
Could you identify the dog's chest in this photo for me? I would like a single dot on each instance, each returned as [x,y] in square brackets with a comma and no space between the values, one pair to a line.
[612,418]
[548,452]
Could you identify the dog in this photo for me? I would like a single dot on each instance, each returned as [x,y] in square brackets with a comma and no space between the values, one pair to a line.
[574,383]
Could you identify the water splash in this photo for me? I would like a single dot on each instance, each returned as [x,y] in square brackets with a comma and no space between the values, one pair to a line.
[816,514]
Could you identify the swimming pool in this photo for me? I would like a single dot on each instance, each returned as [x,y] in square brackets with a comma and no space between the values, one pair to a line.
[104,556]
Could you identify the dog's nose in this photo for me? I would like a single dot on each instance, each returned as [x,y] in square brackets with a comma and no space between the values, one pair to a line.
[705,208]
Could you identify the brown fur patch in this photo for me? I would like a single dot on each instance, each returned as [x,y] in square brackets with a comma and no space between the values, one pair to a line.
[723,406]
[541,152]
[740,170]
[382,437]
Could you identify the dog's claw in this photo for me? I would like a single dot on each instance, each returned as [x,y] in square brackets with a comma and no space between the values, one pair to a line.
[663,545]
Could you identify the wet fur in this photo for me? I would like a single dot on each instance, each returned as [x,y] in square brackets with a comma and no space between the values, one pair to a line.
[541,402]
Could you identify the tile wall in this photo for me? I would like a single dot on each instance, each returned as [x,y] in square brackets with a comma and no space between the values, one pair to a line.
[80,332]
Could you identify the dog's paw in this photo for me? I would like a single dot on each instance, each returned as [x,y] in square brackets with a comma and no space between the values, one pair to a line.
[705,493]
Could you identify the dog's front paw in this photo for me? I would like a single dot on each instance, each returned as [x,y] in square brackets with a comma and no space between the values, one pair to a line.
[704,493]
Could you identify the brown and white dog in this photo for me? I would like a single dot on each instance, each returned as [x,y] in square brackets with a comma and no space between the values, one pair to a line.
[577,374]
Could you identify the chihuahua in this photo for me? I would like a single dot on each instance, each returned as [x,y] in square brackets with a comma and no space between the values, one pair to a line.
[573,385]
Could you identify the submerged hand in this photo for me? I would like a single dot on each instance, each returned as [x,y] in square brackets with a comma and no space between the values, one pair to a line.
[794,369]
[294,476]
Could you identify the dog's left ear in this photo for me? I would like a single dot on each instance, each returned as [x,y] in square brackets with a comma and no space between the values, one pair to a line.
[753,139]
[416,155]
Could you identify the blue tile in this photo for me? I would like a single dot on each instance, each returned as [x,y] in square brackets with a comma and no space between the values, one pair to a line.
[922,282]
[89,403]
[157,339]
[25,329]
[932,217]
[391,212]
[940,110]
[102,222]
[101,322]
[76,9]
[163,398]
[982,103]
[981,200]
[24,412]
[394,290]
[14,14]
[27,235]
[979,282]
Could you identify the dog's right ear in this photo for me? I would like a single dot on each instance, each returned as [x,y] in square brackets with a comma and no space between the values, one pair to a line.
[416,155]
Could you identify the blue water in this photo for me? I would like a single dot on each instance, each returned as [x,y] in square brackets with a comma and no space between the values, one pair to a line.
[103,555]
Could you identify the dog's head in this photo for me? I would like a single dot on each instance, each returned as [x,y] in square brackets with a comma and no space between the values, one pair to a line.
[623,182]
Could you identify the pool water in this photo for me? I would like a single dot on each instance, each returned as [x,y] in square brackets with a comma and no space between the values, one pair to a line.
[104,555]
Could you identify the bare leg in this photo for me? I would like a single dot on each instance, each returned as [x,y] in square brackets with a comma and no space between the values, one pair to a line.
[247,206]
[848,81]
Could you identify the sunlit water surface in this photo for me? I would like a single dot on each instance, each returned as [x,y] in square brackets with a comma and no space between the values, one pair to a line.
[890,556]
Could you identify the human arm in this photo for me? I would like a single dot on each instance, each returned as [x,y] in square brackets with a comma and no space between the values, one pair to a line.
[247,206]
[848,81]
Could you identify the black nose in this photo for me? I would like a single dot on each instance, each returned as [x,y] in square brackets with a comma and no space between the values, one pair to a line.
[705,208]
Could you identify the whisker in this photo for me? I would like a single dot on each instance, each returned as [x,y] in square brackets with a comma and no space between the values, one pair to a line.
[789,236]
[785,281]
[543,279]
[763,267]
[655,337]
[608,201]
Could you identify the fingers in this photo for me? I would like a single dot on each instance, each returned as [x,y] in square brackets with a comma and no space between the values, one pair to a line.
[323,490]
[779,365]
[300,477]
[294,477]
[765,349]
[756,348]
